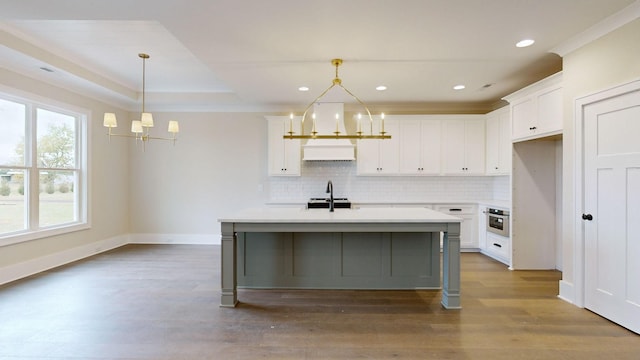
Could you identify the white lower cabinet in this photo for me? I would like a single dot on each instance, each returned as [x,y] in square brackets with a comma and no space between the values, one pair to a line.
[469,225]
[498,247]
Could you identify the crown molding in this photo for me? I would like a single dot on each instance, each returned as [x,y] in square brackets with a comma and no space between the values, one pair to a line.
[613,22]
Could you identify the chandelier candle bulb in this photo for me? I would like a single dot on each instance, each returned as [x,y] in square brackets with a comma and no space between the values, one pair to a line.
[381,123]
[291,123]
[337,124]
[359,123]
[313,129]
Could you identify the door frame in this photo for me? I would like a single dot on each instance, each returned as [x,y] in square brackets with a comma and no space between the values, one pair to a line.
[579,252]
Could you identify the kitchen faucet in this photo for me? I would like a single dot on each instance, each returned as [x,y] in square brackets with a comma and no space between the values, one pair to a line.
[330,191]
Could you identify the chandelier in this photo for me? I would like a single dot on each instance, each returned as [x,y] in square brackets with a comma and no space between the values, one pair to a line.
[140,128]
[336,134]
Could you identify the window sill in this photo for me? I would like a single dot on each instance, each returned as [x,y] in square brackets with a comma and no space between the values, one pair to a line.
[41,234]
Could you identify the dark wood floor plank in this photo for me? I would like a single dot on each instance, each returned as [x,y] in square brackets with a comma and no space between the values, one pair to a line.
[161,302]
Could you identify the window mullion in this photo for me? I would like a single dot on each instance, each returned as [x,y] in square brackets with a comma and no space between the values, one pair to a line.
[33,172]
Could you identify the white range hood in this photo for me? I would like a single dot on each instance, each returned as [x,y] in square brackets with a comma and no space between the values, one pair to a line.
[326,124]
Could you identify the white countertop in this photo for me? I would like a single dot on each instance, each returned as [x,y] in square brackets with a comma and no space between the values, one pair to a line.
[359,215]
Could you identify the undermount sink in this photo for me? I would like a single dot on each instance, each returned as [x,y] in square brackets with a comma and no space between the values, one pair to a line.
[323,203]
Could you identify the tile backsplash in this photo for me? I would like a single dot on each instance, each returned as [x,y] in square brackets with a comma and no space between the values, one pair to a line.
[316,174]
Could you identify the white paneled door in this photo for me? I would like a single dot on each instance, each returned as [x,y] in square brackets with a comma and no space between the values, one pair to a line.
[612,208]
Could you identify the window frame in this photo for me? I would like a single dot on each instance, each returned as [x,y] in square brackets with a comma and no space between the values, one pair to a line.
[32,171]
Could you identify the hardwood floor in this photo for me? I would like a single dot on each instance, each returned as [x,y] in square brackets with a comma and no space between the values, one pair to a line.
[161,302]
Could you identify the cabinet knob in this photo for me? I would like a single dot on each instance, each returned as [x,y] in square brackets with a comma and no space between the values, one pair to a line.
[588,217]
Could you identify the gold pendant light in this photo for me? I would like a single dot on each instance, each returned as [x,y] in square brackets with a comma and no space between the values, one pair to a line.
[140,128]
[336,134]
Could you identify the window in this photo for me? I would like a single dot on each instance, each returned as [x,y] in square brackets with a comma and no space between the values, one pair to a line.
[43,185]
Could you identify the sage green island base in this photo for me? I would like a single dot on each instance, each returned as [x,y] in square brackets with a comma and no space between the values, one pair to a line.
[381,248]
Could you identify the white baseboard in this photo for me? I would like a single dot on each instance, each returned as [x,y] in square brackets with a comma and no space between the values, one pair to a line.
[30,267]
[182,239]
[567,292]
[34,266]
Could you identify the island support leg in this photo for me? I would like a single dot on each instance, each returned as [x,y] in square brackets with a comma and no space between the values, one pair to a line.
[229,296]
[451,268]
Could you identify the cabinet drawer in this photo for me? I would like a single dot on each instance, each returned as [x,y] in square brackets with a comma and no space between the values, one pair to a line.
[499,246]
[456,209]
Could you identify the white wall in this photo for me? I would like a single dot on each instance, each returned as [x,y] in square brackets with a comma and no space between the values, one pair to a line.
[108,178]
[611,60]
[217,166]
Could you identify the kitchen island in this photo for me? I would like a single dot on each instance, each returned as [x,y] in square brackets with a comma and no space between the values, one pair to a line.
[402,224]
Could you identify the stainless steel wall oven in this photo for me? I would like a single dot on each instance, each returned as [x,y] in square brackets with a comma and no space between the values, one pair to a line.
[498,221]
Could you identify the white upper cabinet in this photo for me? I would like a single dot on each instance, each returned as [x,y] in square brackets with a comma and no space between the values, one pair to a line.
[498,159]
[420,146]
[379,157]
[284,154]
[537,111]
[463,147]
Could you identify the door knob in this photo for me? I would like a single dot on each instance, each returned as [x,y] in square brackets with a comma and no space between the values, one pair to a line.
[587,217]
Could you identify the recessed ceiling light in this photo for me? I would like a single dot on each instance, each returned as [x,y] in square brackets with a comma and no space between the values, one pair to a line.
[525,43]
[303,88]
[459,87]
[381,88]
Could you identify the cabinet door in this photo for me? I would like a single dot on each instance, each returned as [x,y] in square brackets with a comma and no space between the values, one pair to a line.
[420,147]
[464,142]
[389,149]
[498,142]
[283,154]
[474,150]
[539,114]
[468,238]
[410,147]
[468,226]
[506,146]
[549,111]
[453,146]
[368,161]
[493,145]
[431,153]
[380,157]
[523,118]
